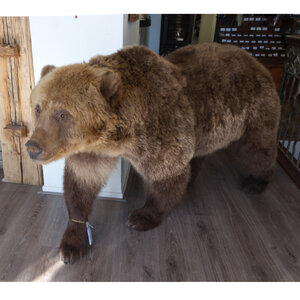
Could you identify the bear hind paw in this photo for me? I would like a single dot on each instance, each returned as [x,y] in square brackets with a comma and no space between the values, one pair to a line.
[252,185]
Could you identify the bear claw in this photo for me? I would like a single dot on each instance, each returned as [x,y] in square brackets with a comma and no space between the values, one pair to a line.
[70,256]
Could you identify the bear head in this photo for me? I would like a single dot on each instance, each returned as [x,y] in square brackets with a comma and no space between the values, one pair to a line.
[73,110]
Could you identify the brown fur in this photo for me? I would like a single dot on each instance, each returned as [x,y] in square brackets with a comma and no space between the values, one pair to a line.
[163,115]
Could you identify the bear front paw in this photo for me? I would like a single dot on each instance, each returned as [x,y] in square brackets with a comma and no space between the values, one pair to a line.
[74,244]
[143,220]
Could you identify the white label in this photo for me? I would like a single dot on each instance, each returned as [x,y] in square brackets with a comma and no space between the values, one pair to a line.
[89,233]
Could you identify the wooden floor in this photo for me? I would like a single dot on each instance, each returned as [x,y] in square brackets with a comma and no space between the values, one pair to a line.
[217,234]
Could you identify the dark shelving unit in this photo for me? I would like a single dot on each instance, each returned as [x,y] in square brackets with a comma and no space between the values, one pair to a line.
[176,32]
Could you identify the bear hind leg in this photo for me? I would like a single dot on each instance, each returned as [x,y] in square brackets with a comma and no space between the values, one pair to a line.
[255,154]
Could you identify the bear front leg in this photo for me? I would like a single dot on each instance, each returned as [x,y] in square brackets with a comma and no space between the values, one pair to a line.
[84,176]
[161,197]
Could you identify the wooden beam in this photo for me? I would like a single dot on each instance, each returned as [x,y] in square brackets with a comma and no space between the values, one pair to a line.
[16,84]
[10,144]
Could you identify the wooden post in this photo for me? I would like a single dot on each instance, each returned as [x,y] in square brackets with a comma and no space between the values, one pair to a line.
[16,83]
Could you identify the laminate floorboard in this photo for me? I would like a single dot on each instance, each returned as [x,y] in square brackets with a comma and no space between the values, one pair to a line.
[217,233]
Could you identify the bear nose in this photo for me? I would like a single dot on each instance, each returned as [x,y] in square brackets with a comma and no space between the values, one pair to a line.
[33,149]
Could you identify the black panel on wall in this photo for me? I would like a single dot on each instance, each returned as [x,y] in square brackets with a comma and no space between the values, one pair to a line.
[176,32]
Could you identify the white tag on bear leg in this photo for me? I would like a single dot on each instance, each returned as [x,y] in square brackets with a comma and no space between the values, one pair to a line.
[89,232]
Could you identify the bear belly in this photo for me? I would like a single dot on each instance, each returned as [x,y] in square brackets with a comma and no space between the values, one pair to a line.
[223,131]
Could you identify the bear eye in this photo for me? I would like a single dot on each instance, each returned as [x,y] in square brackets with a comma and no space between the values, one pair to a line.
[61,115]
[37,110]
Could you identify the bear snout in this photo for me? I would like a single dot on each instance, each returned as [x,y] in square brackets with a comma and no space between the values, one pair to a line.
[33,149]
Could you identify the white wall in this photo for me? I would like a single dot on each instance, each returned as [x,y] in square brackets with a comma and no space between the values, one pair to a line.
[65,40]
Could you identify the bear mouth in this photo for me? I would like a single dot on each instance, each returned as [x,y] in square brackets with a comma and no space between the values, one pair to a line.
[45,158]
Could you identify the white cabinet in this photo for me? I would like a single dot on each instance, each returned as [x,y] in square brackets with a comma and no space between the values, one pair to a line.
[114,188]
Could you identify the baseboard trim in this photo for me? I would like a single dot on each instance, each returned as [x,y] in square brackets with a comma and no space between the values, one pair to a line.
[98,197]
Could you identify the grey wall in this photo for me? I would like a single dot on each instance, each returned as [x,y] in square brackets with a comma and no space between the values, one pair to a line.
[154,33]
[131,34]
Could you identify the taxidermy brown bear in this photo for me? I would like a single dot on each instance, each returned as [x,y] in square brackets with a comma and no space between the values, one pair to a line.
[161,114]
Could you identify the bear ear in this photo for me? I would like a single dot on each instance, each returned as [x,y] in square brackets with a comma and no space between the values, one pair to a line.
[110,84]
[46,70]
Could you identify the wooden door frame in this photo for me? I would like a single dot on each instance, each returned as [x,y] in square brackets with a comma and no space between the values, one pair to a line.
[16,84]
